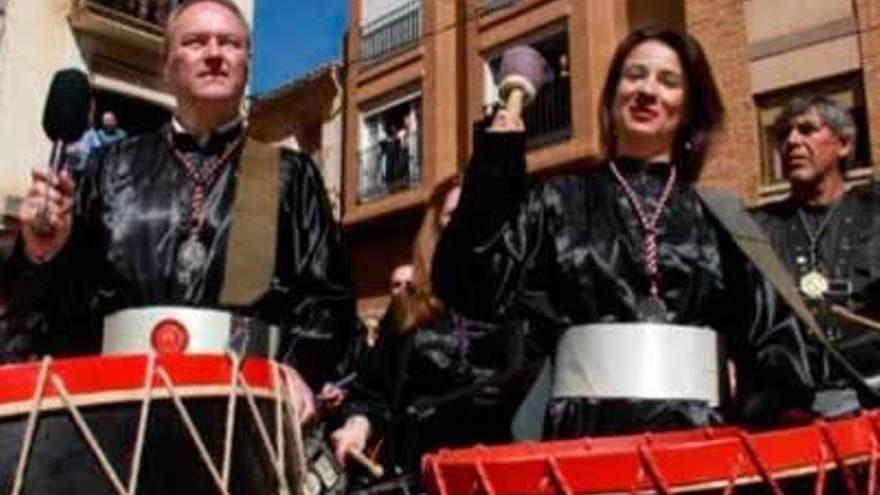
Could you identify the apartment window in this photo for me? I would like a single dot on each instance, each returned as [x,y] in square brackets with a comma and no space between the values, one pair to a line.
[847,90]
[390,158]
[548,118]
[389,27]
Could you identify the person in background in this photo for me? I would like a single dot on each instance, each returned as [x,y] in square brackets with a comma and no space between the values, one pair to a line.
[828,238]
[109,132]
[435,378]
[401,278]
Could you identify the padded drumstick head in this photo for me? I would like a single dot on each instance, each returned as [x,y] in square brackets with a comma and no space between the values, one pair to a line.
[522,67]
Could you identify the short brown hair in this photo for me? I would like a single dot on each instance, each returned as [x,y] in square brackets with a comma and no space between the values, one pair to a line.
[186,4]
[705,110]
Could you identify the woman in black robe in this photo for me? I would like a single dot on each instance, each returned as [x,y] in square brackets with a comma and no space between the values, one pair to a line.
[625,241]
[434,378]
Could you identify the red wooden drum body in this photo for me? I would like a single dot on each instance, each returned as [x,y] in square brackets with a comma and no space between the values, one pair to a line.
[833,457]
[109,396]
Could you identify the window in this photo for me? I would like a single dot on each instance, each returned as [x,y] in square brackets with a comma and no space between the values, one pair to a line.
[848,90]
[548,118]
[390,155]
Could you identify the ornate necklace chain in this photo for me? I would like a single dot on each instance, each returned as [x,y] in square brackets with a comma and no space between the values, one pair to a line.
[192,255]
[201,182]
[648,223]
[815,236]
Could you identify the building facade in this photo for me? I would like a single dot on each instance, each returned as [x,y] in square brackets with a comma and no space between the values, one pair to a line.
[306,115]
[421,73]
[117,42]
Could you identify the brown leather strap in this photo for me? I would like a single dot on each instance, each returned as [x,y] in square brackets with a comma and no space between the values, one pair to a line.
[250,252]
[727,208]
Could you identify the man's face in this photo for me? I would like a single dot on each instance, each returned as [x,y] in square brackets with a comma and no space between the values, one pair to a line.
[810,150]
[207,59]
[108,121]
[400,278]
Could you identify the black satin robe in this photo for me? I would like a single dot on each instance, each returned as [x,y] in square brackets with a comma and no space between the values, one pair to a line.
[569,252]
[849,255]
[133,213]
[422,389]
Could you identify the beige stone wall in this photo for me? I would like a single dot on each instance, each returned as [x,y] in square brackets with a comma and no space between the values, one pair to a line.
[36,42]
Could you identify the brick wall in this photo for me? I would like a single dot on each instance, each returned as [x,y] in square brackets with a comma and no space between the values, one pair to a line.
[868,15]
[734,161]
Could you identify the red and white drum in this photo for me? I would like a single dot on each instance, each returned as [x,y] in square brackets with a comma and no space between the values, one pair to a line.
[193,424]
[834,457]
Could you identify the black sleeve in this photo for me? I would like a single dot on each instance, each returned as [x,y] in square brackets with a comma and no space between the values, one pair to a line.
[494,236]
[316,307]
[767,342]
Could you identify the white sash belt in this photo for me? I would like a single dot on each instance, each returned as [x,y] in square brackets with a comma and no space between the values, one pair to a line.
[638,361]
[167,329]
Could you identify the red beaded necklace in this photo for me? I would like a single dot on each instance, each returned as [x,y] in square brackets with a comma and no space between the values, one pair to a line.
[653,309]
[192,254]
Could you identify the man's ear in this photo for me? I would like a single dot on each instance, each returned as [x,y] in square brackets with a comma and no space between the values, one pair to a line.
[847,148]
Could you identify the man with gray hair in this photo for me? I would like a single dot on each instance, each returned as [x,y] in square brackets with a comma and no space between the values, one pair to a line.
[827,236]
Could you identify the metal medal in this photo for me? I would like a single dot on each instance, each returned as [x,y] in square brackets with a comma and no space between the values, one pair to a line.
[814,285]
[191,258]
[652,309]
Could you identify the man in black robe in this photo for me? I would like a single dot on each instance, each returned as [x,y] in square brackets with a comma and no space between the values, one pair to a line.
[153,218]
[828,237]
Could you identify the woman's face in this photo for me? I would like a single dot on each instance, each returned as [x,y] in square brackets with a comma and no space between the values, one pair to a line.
[650,102]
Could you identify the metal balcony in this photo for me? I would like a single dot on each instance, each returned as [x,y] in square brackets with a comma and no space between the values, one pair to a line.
[391,34]
[125,35]
[489,6]
[149,15]
[548,118]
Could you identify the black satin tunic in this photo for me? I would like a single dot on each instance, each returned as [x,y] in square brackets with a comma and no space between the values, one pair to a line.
[848,254]
[569,251]
[133,213]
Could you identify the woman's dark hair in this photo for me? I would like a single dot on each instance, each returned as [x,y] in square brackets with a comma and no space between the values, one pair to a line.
[704,111]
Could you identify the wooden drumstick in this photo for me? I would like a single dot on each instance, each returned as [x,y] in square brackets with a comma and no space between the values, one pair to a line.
[515,102]
[375,470]
[848,315]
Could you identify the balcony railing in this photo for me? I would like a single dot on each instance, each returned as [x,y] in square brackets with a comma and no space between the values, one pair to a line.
[489,6]
[548,118]
[389,166]
[391,34]
[148,14]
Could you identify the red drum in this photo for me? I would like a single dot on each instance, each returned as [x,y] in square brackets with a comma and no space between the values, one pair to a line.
[833,457]
[191,424]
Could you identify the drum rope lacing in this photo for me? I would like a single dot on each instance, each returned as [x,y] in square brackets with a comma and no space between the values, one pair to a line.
[832,451]
[238,385]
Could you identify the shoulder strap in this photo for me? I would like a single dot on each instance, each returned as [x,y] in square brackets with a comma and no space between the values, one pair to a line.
[727,208]
[250,252]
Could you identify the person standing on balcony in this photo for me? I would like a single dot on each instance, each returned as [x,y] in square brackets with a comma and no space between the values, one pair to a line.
[598,260]
[156,216]
[828,237]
